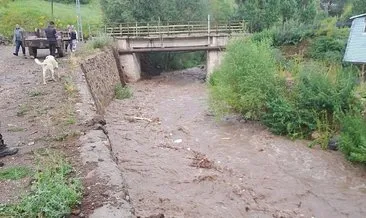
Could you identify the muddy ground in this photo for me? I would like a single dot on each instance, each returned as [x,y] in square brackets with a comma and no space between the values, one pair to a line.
[181,162]
[35,117]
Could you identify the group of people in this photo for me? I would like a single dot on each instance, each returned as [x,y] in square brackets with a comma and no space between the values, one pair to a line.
[51,35]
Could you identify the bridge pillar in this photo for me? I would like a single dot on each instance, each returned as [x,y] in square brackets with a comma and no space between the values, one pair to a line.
[214,57]
[131,62]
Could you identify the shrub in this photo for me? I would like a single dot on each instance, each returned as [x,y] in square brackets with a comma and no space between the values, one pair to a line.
[122,92]
[289,33]
[329,42]
[101,41]
[353,137]
[317,98]
[321,89]
[283,117]
[328,48]
[245,79]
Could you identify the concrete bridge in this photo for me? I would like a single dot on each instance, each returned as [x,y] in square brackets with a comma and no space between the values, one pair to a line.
[136,38]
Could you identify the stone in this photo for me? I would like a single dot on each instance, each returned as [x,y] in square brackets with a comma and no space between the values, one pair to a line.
[333,143]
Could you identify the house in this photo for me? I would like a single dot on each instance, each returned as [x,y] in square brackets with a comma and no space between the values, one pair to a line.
[356,46]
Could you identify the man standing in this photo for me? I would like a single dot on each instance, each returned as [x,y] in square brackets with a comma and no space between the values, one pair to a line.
[18,40]
[51,38]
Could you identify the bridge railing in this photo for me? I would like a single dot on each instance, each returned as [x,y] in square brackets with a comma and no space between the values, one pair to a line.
[151,29]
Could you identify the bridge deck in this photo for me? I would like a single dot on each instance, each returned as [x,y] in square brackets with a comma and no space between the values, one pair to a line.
[170,49]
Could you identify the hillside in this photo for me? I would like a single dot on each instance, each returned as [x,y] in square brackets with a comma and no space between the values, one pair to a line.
[35,13]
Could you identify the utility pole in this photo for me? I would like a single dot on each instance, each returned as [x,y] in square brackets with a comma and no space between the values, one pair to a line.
[79,22]
[52,9]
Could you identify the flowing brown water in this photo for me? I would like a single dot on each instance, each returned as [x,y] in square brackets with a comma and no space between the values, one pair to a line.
[179,161]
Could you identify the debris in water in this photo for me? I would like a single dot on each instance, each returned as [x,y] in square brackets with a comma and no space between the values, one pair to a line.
[201,161]
[178,141]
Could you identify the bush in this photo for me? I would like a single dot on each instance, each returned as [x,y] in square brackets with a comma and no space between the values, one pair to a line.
[320,89]
[290,33]
[329,42]
[353,137]
[245,79]
[328,48]
[122,92]
[101,41]
[317,99]
[284,117]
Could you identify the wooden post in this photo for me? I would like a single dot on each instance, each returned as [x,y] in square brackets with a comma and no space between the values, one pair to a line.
[120,29]
[136,29]
[161,35]
[167,24]
[208,29]
[90,33]
[363,73]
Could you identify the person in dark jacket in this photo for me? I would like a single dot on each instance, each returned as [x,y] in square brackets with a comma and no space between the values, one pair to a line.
[51,38]
[5,150]
[18,40]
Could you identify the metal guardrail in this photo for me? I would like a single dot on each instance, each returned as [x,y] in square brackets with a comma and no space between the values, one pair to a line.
[152,29]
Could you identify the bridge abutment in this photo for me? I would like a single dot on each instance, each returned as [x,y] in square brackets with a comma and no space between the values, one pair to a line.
[131,62]
[214,59]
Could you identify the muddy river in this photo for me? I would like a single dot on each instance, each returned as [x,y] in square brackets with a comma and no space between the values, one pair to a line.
[178,160]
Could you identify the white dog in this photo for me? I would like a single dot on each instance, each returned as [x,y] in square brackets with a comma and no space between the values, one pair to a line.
[50,64]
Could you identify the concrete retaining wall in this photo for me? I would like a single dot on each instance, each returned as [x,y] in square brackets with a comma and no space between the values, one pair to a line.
[102,75]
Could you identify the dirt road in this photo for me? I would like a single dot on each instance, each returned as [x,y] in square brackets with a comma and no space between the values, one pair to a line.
[180,162]
[32,115]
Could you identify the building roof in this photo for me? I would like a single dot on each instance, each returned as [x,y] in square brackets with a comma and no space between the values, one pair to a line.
[356,46]
[357,16]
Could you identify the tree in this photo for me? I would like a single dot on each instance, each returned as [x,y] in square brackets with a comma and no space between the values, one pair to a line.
[288,9]
[260,14]
[115,11]
[307,10]
[333,7]
[221,9]
[165,10]
[359,7]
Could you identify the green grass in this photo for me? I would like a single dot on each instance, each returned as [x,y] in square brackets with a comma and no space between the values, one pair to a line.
[14,173]
[22,110]
[53,193]
[16,129]
[35,93]
[36,13]
[122,92]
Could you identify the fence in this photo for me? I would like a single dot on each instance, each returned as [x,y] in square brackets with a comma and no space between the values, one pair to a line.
[151,29]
